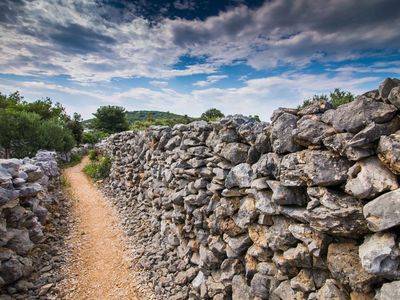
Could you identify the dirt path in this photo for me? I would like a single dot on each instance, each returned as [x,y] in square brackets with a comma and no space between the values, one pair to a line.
[99,268]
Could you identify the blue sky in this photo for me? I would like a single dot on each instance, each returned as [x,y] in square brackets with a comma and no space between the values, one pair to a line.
[185,56]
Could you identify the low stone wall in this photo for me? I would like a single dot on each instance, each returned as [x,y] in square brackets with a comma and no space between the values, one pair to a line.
[306,207]
[27,189]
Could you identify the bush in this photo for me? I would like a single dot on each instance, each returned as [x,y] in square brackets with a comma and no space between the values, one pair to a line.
[98,169]
[336,98]
[93,137]
[339,97]
[92,155]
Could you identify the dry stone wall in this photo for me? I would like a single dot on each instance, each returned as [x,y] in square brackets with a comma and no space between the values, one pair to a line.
[307,207]
[27,190]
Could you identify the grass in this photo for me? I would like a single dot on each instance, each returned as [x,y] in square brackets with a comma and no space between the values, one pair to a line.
[98,168]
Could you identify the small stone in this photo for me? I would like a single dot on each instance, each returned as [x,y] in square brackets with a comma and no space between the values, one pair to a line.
[332,290]
[240,289]
[239,176]
[287,195]
[281,134]
[303,281]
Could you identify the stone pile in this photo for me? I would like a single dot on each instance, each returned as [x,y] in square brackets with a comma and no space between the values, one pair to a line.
[28,188]
[307,207]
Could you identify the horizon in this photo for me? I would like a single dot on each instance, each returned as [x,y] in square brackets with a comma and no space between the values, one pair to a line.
[185,56]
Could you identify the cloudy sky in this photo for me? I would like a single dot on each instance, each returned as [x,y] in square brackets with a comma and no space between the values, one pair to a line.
[185,56]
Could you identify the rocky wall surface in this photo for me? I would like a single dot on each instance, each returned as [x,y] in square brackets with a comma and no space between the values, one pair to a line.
[28,188]
[307,207]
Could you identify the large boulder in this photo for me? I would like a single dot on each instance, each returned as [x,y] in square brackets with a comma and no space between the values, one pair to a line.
[383,212]
[368,178]
[394,96]
[367,110]
[313,167]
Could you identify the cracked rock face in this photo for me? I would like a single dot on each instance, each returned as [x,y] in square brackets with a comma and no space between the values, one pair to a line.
[282,134]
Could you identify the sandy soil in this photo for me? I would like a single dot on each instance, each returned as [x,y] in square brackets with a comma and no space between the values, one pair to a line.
[100,267]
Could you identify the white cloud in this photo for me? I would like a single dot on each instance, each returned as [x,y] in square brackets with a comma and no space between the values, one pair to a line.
[160,84]
[210,80]
[258,97]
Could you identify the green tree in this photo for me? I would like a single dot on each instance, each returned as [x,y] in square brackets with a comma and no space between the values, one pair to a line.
[110,119]
[19,133]
[212,114]
[55,135]
[46,109]
[75,125]
[339,97]
[92,137]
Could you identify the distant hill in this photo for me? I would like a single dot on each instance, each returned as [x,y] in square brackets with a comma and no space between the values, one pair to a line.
[143,115]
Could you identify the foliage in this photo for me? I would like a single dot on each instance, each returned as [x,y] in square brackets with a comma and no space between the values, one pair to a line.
[212,114]
[76,127]
[141,125]
[98,169]
[64,181]
[92,154]
[339,97]
[110,119]
[336,98]
[27,127]
[94,136]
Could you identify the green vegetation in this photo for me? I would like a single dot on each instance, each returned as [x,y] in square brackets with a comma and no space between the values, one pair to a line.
[336,98]
[94,136]
[170,121]
[110,119]
[98,168]
[27,127]
[92,154]
[211,114]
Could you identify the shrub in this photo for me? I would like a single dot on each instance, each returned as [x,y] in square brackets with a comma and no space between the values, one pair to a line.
[92,155]
[93,137]
[339,97]
[98,169]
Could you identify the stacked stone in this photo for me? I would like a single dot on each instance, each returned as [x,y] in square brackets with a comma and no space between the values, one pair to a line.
[24,194]
[306,207]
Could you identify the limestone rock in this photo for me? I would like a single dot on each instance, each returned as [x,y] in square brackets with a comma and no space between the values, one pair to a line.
[368,110]
[313,167]
[332,290]
[345,266]
[240,176]
[246,214]
[303,281]
[236,153]
[281,134]
[240,289]
[368,178]
[394,96]
[389,291]
[335,213]
[386,86]
[315,240]
[389,151]
[380,254]
[287,195]
[383,212]
[316,107]
[311,131]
